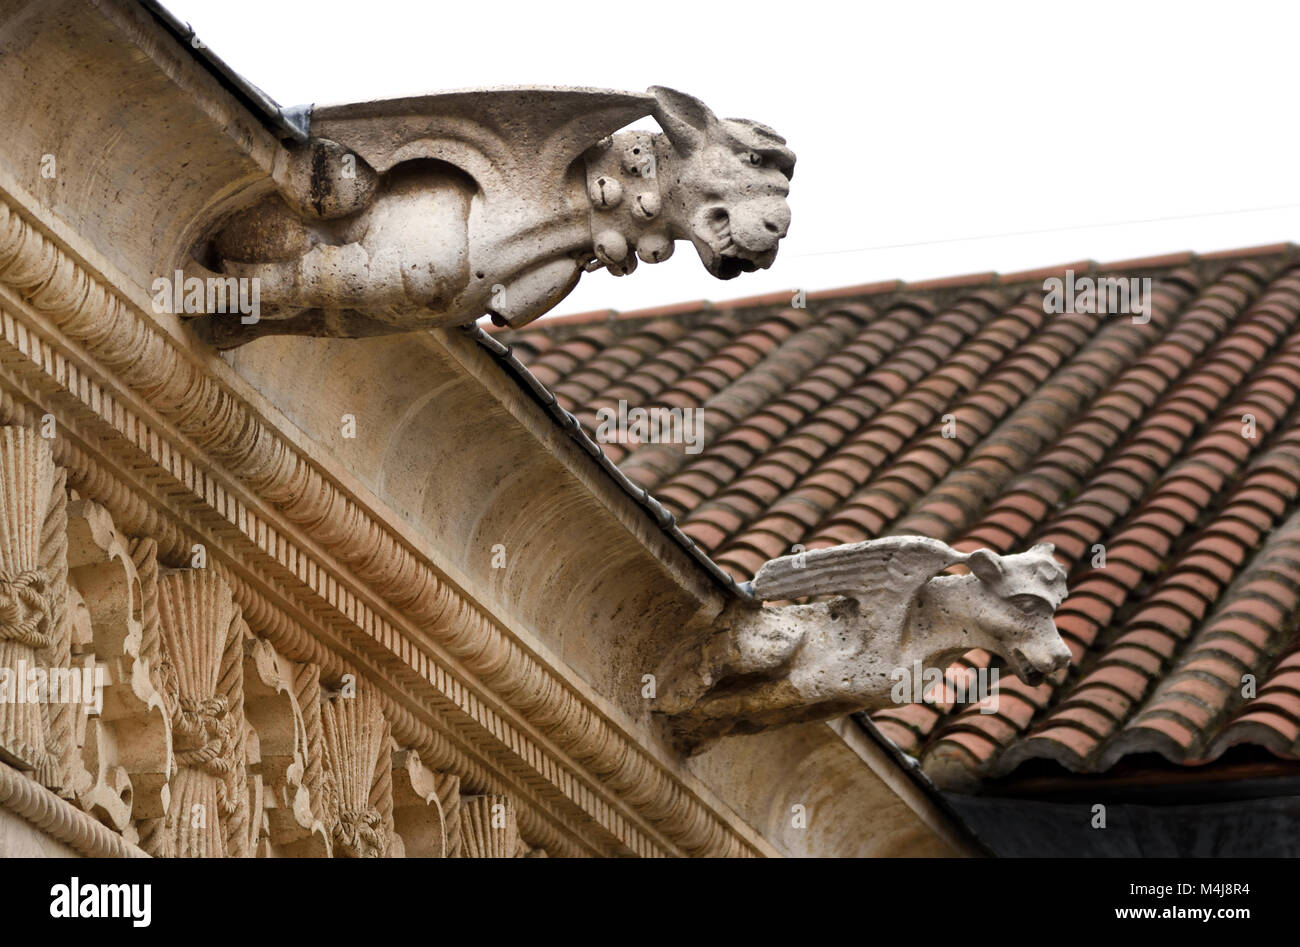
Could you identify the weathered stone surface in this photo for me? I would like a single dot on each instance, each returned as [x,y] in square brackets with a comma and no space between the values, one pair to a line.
[361,561]
[30,632]
[21,839]
[358,776]
[125,761]
[425,212]
[759,668]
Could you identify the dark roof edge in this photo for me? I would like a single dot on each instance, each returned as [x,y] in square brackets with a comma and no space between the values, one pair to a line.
[665,520]
[293,122]
[503,353]
[912,767]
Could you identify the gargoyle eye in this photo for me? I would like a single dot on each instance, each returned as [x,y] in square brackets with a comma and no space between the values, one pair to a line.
[1029,603]
[755,158]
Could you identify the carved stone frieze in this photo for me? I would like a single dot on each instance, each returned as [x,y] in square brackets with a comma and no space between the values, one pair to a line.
[192,737]
[315,528]
[189,736]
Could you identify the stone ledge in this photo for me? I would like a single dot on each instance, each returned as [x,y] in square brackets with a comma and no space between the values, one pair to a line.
[61,820]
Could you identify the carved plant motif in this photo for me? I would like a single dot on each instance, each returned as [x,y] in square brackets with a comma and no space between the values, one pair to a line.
[203,634]
[33,636]
[204,741]
[124,764]
[488,827]
[359,776]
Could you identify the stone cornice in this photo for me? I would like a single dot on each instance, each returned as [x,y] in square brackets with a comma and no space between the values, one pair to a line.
[364,557]
[358,559]
[573,427]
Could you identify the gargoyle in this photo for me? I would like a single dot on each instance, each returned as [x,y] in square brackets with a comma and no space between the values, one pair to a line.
[764,667]
[418,213]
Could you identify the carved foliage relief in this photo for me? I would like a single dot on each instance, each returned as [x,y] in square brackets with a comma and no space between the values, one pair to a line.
[138,696]
[33,635]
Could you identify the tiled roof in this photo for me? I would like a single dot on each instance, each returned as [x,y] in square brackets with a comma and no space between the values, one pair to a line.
[959,409]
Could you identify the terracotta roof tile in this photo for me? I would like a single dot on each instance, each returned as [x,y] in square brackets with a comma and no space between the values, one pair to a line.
[1106,437]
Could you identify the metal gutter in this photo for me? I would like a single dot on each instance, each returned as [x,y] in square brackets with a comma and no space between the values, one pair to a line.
[295,123]
[665,520]
[912,768]
[506,358]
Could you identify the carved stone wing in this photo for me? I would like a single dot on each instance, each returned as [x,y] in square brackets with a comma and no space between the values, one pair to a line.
[511,141]
[893,568]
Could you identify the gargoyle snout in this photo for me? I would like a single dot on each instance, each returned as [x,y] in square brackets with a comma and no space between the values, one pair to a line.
[759,225]
[1034,660]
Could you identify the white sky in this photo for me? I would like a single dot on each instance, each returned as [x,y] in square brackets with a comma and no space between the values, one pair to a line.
[917,125]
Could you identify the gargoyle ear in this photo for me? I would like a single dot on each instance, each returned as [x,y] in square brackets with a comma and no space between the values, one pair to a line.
[685,119]
[986,565]
[1049,548]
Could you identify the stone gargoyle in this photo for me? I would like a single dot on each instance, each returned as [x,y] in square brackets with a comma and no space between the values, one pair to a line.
[426,212]
[760,667]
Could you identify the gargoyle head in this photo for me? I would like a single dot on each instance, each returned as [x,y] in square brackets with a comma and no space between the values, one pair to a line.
[1026,589]
[725,186]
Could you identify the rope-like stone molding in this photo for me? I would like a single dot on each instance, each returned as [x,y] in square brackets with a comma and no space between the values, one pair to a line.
[128,344]
[61,820]
[124,502]
[305,687]
[291,638]
[269,621]
[294,641]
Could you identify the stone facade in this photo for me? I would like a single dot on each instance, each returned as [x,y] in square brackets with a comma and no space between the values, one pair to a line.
[346,597]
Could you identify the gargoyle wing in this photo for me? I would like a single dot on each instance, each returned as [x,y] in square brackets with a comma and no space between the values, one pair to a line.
[512,141]
[893,568]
